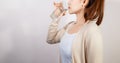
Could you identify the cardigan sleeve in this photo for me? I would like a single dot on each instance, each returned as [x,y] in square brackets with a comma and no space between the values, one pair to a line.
[94,50]
[54,35]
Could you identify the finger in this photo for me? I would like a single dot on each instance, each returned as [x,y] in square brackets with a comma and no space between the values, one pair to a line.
[60,16]
[57,4]
[64,12]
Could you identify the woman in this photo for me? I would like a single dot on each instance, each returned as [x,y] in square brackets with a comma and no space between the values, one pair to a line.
[80,40]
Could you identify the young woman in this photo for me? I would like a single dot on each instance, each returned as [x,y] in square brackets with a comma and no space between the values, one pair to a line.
[80,41]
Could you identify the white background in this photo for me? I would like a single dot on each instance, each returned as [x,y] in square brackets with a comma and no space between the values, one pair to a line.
[24,25]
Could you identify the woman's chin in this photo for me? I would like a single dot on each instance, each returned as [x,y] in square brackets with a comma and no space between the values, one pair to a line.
[70,12]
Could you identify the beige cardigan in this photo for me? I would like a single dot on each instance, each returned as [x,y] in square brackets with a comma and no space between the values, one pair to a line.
[87,47]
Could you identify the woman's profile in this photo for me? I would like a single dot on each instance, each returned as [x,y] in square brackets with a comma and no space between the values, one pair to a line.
[79,41]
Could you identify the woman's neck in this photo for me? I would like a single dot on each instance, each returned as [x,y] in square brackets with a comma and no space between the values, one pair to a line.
[80,18]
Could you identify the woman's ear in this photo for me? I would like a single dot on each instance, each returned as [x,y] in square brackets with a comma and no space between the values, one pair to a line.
[85,2]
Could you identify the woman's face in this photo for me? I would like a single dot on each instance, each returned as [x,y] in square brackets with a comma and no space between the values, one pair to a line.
[74,6]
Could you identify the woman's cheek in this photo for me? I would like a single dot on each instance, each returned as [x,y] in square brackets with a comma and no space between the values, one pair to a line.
[74,9]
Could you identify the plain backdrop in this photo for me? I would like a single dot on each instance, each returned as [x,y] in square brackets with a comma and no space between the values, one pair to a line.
[24,26]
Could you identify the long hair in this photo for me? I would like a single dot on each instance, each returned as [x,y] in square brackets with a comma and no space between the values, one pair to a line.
[94,10]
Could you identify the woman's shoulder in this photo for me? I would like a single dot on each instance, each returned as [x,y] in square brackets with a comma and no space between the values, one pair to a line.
[93,33]
[93,28]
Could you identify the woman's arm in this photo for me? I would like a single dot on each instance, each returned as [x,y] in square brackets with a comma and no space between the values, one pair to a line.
[54,34]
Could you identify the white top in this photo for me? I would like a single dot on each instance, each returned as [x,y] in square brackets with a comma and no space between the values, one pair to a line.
[65,47]
[88,43]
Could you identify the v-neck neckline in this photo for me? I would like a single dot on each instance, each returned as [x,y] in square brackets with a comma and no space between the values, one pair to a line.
[70,26]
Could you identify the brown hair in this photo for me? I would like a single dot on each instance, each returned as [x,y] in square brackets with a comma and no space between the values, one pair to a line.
[94,10]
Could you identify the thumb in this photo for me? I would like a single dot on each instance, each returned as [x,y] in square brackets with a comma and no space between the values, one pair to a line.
[63,13]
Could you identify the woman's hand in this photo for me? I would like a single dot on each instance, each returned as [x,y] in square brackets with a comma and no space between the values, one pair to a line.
[60,6]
